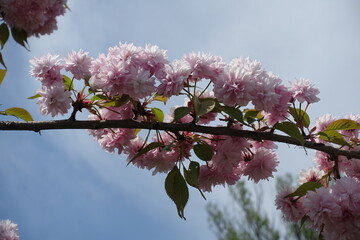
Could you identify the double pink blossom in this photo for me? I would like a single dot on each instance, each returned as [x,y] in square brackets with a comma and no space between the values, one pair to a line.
[35,17]
[8,230]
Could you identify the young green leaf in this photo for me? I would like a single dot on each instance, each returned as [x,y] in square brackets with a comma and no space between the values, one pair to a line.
[2,75]
[300,116]
[159,115]
[34,96]
[205,105]
[98,97]
[177,190]
[68,83]
[181,112]
[343,124]
[333,137]
[2,60]
[19,113]
[203,151]
[146,149]
[161,98]
[233,112]
[4,34]
[252,115]
[304,188]
[290,129]
[192,174]
[20,36]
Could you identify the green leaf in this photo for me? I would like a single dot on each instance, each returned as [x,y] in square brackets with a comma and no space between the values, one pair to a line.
[146,149]
[290,129]
[300,117]
[205,105]
[203,151]
[159,115]
[117,102]
[98,97]
[303,220]
[161,98]
[233,112]
[2,75]
[20,36]
[181,112]
[68,83]
[333,137]
[19,113]
[192,174]
[34,96]
[304,188]
[177,190]
[343,124]
[2,60]
[252,115]
[4,34]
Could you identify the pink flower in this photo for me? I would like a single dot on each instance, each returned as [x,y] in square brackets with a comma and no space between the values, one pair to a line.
[204,65]
[224,167]
[322,122]
[173,82]
[291,209]
[353,169]
[279,111]
[115,138]
[321,207]
[303,91]
[47,69]
[263,94]
[336,209]
[155,60]
[236,83]
[78,63]
[261,165]
[142,83]
[33,16]
[8,230]
[54,100]
[311,175]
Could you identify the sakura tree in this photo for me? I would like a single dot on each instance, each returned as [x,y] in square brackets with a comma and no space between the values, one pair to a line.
[233,114]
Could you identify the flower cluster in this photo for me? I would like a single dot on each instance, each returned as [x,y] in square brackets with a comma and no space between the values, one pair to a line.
[124,83]
[333,210]
[8,230]
[35,17]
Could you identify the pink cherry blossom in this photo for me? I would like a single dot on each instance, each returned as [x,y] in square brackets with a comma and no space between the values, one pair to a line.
[115,138]
[261,165]
[54,100]
[321,207]
[236,83]
[173,82]
[290,207]
[204,65]
[154,60]
[303,91]
[33,16]
[78,63]
[8,230]
[263,95]
[47,69]
[279,111]
[311,175]
[143,84]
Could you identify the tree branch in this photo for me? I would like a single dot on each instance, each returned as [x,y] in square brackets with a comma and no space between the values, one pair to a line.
[172,127]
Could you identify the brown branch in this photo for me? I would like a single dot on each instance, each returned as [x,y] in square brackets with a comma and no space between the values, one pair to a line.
[172,127]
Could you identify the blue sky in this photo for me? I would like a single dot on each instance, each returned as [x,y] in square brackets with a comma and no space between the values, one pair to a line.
[62,185]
